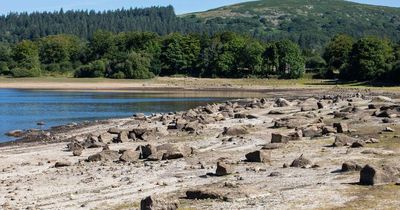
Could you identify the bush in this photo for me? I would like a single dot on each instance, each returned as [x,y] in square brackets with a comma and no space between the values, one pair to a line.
[118,75]
[4,70]
[93,69]
[23,72]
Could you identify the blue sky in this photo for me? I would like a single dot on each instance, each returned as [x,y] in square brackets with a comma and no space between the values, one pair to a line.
[181,6]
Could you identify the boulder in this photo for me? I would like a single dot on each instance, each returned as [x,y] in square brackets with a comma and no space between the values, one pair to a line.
[382,99]
[123,136]
[75,145]
[343,140]
[301,162]
[130,156]
[201,194]
[143,133]
[15,133]
[279,138]
[173,151]
[281,102]
[341,127]
[146,151]
[106,138]
[235,131]
[105,155]
[223,169]
[93,142]
[357,144]
[378,175]
[350,166]
[260,156]
[158,203]
[240,116]
[77,151]
[312,131]
[62,164]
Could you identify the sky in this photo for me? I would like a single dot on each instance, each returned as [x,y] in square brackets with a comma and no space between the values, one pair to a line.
[181,6]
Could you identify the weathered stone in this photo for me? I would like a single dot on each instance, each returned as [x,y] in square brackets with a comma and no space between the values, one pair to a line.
[279,138]
[377,175]
[260,156]
[114,130]
[281,102]
[240,116]
[388,129]
[123,136]
[105,138]
[301,162]
[158,203]
[15,133]
[235,131]
[143,133]
[174,151]
[202,194]
[312,131]
[146,151]
[350,166]
[130,156]
[272,146]
[357,144]
[77,151]
[105,155]
[341,127]
[328,130]
[382,99]
[223,169]
[74,146]
[62,164]
[343,140]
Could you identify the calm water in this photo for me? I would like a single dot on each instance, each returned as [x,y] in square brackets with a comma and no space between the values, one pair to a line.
[22,109]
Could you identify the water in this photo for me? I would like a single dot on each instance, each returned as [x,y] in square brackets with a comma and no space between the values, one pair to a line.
[22,109]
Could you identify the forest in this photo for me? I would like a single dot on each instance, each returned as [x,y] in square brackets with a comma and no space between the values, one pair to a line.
[142,55]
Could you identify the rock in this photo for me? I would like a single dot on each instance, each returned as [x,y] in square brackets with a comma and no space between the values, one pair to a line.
[77,151]
[350,166]
[312,131]
[158,203]
[75,145]
[93,142]
[357,144]
[382,99]
[202,194]
[272,146]
[105,138]
[275,173]
[388,129]
[279,138]
[387,120]
[281,102]
[377,175]
[235,131]
[15,133]
[372,141]
[146,151]
[130,156]
[240,116]
[301,162]
[328,130]
[343,140]
[223,169]
[341,127]
[62,164]
[123,136]
[114,130]
[143,133]
[139,116]
[251,116]
[260,156]
[105,155]
[173,151]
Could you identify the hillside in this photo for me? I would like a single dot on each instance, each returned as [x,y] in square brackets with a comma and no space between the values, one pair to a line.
[310,22]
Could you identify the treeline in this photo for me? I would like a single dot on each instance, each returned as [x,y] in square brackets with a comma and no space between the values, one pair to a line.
[368,58]
[141,55]
[16,27]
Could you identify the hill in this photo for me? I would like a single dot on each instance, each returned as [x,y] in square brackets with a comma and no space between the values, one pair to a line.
[309,22]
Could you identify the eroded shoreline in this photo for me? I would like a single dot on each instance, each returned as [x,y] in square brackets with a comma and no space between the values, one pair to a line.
[101,178]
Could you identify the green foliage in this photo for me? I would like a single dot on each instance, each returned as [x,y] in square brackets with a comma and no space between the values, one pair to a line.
[291,64]
[23,72]
[337,51]
[59,49]
[179,53]
[370,58]
[135,66]
[96,68]
[26,54]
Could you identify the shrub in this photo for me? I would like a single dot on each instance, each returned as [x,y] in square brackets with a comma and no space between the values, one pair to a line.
[23,72]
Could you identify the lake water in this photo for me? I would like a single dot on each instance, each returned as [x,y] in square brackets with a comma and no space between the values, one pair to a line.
[22,109]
